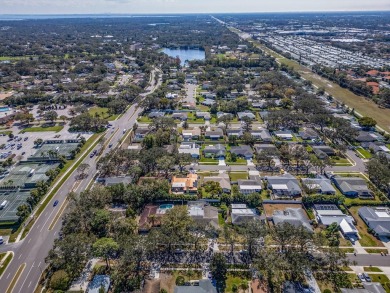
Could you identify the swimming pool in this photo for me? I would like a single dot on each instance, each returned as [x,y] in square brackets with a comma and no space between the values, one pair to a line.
[5,109]
[165,206]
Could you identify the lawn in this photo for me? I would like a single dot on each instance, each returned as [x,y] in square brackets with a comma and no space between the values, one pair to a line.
[5,263]
[367,240]
[144,119]
[372,269]
[7,132]
[383,279]
[373,250]
[102,112]
[55,128]
[231,280]
[364,153]
[341,162]
[234,176]
[237,162]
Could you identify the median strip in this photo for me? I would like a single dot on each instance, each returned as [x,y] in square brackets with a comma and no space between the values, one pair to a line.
[5,262]
[15,278]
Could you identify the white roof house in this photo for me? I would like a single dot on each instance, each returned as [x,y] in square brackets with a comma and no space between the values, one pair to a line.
[241,214]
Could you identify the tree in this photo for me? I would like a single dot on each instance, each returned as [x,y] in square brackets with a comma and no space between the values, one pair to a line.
[247,123]
[218,269]
[182,160]
[367,122]
[51,116]
[59,280]
[82,168]
[63,118]
[105,248]
[212,187]
[165,163]
[38,142]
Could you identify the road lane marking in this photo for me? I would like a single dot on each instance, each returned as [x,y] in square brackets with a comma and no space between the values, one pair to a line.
[8,275]
[29,284]
[44,224]
[19,256]
[25,279]
[29,241]
[59,213]
[15,278]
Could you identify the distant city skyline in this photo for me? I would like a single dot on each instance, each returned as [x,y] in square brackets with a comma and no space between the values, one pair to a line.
[185,6]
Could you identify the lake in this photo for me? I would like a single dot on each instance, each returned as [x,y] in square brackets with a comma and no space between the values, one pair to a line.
[185,54]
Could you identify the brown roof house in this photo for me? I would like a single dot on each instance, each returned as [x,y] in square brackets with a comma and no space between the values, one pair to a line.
[188,184]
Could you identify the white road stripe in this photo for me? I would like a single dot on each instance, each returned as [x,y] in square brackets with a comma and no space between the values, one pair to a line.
[25,279]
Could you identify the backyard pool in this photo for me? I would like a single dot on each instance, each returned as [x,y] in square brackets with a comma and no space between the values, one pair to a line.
[4,109]
[162,209]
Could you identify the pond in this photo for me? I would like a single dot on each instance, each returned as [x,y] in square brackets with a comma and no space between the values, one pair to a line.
[185,54]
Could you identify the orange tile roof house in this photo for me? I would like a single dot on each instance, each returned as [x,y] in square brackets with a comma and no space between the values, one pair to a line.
[187,184]
[375,87]
[372,73]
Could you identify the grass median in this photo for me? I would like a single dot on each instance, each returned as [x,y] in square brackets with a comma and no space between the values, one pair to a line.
[5,262]
[15,278]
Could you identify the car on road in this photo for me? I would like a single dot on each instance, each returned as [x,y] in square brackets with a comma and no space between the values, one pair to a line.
[26,138]
[367,277]
[361,277]
[1,240]
[55,203]
[23,153]
[110,145]
[93,153]
[124,130]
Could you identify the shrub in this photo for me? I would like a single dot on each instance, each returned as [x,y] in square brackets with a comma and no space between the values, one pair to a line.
[59,281]
[180,281]
[327,291]
[163,291]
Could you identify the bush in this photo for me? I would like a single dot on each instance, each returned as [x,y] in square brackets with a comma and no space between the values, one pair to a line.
[163,291]
[59,281]
[180,281]
[327,291]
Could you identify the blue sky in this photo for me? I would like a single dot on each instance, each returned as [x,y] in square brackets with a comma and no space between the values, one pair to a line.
[184,6]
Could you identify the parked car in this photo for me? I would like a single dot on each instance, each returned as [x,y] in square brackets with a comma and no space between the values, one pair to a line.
[367,277]
[361,277]
[1,240]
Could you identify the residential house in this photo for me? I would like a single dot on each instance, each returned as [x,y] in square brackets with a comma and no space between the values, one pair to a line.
[365,136]
[156,114]
[204,115]
[208,102]
[259,104]
[327,214]
[284,185]
[377,218]
[140,133]
[201,286]
[223,179]
[215,134]
[189,148]
[249,186]
[241,214]
[221,114]
[308,134]
[242,151]
[352,186]
[323,151]
[376,147]
[202,212]
[189,134]
[183,116]
[262,134]
[294,216]
[284,134]
[214,151]
[188,184]
[237,132]
[319,185]
[248,114]
[265,147]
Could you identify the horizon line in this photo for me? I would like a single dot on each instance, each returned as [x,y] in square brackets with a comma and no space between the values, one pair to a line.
[192,13]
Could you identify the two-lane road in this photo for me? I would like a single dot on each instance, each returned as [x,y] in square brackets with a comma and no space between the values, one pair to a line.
[34,248]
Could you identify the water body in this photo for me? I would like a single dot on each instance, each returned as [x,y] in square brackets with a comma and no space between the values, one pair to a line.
[185,54]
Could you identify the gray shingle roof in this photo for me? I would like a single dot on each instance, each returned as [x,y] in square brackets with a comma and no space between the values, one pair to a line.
[294,216]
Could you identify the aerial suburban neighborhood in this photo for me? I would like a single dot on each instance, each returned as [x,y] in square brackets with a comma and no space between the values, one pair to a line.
[195,153]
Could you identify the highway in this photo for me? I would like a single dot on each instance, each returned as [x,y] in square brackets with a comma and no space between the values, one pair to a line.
[33,249]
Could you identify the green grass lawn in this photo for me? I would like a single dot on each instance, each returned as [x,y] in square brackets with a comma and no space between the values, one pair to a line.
[102,112]
[7,132]
[341,162]
[364,153]
[56,128]
[234,176]
[5,263]
[372,250]
[383,279]
[144,119]
[234,281]
[237,162]
[372,269]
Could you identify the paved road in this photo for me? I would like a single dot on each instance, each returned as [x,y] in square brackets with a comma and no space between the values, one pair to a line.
[35,247]
[376,260]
